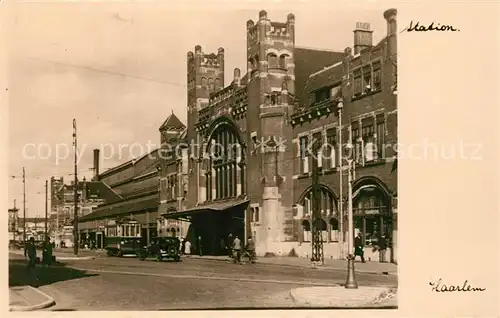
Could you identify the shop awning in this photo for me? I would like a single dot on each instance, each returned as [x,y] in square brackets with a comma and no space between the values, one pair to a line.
[216,206]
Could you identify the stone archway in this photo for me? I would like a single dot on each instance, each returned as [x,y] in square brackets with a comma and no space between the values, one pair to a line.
[328,209]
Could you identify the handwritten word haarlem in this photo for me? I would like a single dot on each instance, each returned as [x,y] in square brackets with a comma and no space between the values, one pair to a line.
[466,287]
[431,27]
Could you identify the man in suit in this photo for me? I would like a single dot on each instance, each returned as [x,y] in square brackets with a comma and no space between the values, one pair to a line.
[358,247]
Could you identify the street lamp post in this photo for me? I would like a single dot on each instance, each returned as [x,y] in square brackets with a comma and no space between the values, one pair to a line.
[75,219]
[46,210]
[340,107]
[24,206]
[351,277]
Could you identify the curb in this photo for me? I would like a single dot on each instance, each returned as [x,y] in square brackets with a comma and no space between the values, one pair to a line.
[368,303]
[48,303]
[390,273]
[73,258]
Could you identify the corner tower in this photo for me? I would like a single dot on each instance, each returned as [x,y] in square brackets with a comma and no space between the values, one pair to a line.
[205,75]
[271,91]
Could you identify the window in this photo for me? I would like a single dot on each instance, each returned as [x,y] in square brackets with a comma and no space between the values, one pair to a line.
[272,60]
[357,84]
[356,145]
[211,85]
[322,95]
[367,79]
[381,139]
[317,151]
[282,63]
[377,77]
[217,84]
[203,82]
[163,189]
[184,163]
[225,169]
[369,146]
[304,154]
[330,149]
[171,180]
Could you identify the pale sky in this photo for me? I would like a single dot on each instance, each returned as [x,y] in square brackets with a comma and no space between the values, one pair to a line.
[120,70]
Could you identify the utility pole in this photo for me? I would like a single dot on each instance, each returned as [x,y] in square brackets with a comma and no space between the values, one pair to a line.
[46,211]
[75,219]
[317,237]
[24,206]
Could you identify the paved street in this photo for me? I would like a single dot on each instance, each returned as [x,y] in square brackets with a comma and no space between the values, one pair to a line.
[129,284]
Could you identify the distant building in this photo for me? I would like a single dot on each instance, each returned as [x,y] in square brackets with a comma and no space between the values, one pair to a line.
[13,224]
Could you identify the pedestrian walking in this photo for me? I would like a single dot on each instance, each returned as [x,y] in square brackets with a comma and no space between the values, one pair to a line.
[187,248]
[358,248]
[250,248]
[199,246]
[236,249]
[47,253]
[230,240]
[181,245]
[30,253]
[382,247]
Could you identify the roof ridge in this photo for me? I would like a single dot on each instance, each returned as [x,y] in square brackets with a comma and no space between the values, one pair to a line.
[326,68]
[318,49]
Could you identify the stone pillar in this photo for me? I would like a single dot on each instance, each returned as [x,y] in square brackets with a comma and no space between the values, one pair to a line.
[271,216]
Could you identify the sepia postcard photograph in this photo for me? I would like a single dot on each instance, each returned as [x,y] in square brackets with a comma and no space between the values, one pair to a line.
[180,156]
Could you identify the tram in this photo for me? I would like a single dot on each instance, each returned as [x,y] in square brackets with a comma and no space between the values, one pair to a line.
[124,239]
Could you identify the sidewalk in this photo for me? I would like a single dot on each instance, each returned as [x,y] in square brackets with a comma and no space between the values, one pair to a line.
[368,267]
[27,298]
[340,297]
[63,255]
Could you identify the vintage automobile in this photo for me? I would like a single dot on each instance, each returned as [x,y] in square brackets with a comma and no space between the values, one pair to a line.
[161,248]
[123,245]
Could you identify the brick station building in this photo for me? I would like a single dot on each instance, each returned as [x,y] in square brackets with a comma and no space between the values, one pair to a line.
[247,175]
[241,164]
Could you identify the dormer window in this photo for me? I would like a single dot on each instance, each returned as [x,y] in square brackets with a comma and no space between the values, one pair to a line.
[322,95]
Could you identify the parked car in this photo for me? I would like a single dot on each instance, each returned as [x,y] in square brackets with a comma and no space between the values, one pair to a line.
[161,248]
[121,245]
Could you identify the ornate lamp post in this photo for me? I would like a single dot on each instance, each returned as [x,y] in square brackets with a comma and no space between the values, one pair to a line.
[351,278]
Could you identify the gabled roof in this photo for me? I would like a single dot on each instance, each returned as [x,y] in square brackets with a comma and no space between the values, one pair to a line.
[172,123]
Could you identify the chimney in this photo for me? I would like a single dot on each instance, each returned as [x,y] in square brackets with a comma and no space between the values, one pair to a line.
[363,37]
[96,164]
[390,16]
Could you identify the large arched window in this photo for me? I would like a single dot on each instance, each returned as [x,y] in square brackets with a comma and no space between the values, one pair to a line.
[225,173]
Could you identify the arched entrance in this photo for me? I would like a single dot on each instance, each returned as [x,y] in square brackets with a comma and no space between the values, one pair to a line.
[224,173]
[372,210]
[328,211]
